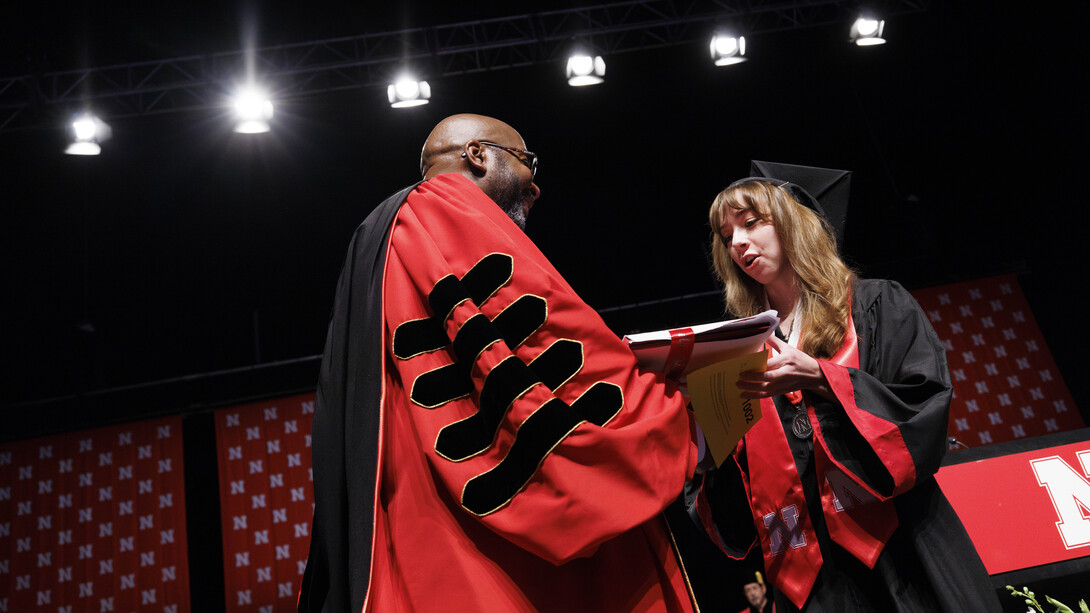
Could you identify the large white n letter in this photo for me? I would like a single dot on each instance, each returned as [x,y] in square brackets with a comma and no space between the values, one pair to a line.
[1070,494]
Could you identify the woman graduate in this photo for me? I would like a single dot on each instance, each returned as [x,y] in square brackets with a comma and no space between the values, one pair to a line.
[838,472]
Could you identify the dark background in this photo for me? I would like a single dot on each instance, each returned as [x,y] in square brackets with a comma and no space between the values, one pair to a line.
[189,267]
[187,249]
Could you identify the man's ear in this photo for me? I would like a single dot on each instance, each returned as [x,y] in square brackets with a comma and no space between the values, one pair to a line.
[474,155]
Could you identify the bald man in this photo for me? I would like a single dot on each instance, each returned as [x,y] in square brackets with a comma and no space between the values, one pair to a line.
[448,150]
[482,441]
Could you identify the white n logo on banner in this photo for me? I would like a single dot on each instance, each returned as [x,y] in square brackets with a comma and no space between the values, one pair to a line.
[1070,493]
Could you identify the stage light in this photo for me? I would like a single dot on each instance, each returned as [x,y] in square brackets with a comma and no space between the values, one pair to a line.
[408,92]
[582,69]
[867,31]
[253,110]
[727,49]
[86,133]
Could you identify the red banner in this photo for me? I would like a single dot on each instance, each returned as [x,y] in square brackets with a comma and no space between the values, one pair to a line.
[1024,509]
[1006,384]
[266,501]
[94,521]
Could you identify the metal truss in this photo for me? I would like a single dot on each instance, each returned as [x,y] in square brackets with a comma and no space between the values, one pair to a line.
[301,69]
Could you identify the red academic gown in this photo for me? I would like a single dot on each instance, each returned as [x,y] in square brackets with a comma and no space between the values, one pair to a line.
[522,461]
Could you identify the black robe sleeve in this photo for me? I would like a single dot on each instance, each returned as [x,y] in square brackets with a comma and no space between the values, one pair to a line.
[888,429]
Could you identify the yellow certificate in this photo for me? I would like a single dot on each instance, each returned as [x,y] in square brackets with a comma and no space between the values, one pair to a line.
[722,413]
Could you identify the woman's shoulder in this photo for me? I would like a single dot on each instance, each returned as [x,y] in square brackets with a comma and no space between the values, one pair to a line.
[866,292]
[873,287]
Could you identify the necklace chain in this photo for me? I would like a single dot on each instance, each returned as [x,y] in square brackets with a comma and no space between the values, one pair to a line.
[800,424]
[791,328]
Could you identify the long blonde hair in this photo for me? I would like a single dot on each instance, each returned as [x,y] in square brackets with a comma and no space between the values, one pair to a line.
[809,244]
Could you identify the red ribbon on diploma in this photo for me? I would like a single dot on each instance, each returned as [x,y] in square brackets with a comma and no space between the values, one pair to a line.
[681,348]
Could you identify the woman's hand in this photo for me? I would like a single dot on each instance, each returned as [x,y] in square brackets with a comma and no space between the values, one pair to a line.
[788,370]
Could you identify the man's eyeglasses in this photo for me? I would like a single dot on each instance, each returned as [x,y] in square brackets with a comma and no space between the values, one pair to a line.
[528,158]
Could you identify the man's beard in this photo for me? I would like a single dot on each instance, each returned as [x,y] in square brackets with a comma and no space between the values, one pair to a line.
[510,197]
[517,214]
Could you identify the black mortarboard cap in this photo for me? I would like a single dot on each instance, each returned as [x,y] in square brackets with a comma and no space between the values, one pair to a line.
[824,190]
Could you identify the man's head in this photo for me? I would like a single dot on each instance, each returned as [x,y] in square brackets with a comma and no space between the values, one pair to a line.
[487,152]
[755,593]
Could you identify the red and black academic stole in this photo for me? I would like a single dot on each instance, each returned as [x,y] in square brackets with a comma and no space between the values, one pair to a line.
[788,541]
[858,521]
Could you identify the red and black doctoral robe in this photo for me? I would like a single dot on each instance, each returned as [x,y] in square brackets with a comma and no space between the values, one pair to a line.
[482,441]
[852,519]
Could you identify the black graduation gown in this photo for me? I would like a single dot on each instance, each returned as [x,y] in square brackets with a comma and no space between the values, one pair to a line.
[929,563]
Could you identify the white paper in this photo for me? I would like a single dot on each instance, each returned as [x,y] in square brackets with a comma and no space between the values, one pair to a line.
[653,348]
